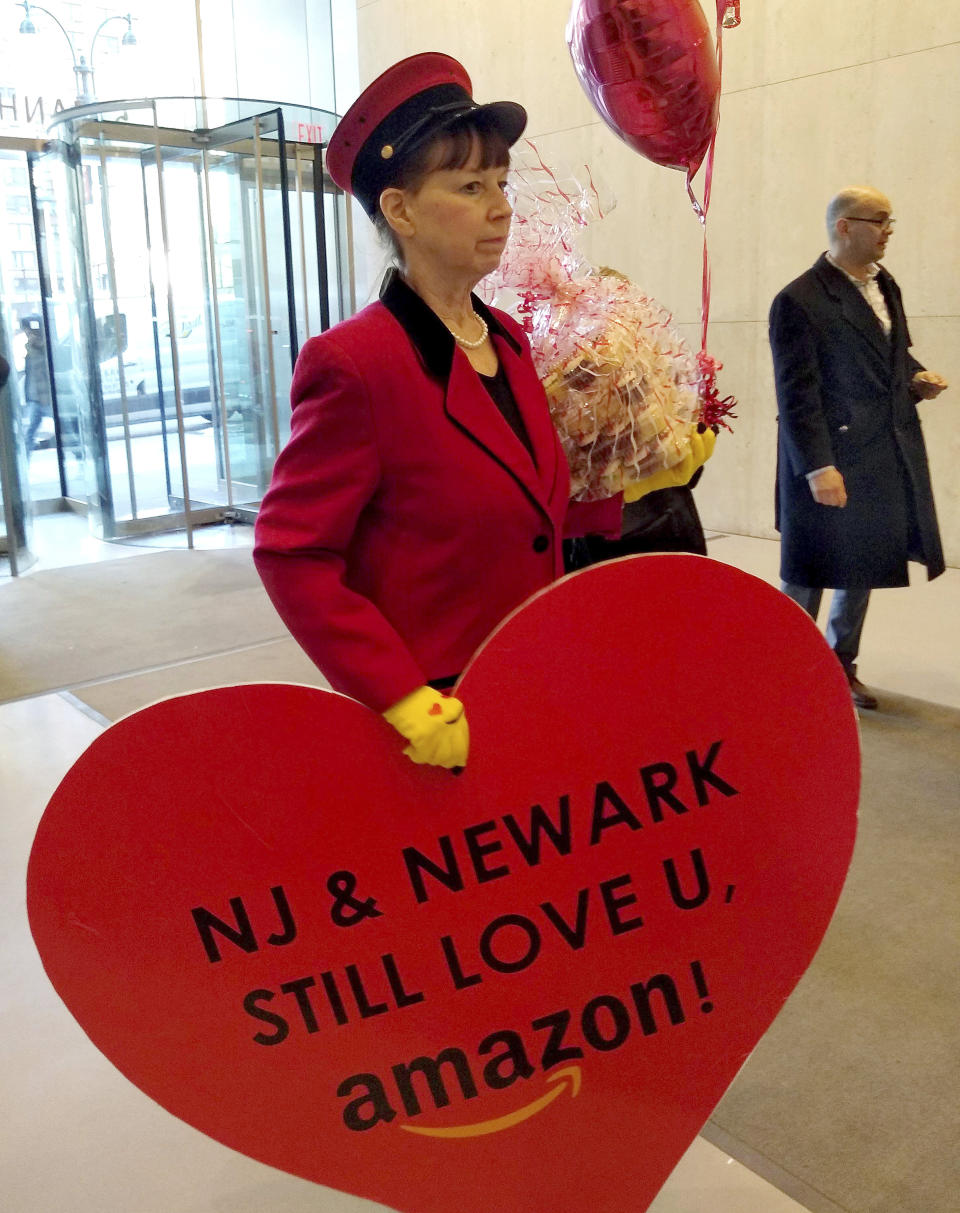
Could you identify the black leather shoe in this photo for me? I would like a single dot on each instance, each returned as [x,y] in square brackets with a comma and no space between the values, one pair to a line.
[863,697]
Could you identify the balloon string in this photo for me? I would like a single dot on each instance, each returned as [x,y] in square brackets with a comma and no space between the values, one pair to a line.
[701,212]
[701,209]
[714,409]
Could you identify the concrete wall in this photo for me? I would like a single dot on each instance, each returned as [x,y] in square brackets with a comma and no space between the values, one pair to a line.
[817,95]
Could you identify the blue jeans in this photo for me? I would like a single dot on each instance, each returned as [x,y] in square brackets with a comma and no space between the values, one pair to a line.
[848,610]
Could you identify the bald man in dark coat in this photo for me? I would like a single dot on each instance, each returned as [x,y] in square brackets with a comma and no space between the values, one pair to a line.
[854,500]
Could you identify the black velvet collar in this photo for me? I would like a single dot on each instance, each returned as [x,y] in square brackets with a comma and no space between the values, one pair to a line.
[426,330]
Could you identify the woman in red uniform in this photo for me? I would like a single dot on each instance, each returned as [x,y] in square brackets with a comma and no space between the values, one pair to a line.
[422,494]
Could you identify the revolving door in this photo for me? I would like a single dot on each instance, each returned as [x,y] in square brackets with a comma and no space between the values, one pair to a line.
[205,258]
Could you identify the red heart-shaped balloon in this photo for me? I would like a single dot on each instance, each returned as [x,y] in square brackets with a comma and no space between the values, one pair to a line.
[523,988]
[651,71]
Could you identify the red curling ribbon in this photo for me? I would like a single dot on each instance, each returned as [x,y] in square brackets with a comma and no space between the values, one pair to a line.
[713,409]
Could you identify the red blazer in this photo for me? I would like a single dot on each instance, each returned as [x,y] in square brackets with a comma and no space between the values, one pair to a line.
[405,518]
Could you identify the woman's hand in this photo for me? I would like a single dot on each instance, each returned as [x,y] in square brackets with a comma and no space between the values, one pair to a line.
[435,726]
[700,450]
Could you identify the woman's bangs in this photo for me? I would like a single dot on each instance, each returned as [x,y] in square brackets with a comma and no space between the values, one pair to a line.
[456,147]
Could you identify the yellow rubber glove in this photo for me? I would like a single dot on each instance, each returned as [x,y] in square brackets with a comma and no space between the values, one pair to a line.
[700,450]
[435,726]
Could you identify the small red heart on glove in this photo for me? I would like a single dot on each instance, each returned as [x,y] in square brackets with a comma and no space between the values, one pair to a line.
[523,989]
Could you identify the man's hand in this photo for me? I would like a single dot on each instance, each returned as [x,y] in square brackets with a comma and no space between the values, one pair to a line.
[927,384]
[828,488]
[435,726]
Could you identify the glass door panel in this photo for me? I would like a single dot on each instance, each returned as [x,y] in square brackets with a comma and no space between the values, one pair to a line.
[240,325]
[26,347]
[15,506]
[252,298]
[70,326]
[124,341]
[183,381]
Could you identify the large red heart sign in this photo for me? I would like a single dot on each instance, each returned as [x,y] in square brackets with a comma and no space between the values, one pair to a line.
[521,989]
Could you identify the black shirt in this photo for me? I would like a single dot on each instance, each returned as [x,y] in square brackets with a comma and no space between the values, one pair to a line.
[498,387]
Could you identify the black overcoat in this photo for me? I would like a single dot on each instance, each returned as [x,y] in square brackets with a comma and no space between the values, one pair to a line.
[844,398]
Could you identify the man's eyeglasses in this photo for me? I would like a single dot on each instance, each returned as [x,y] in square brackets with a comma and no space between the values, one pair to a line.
[889,224]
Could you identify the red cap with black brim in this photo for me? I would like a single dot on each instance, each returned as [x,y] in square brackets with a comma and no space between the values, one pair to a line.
[409,104]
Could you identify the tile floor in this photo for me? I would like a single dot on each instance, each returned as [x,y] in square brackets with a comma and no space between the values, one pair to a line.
[78,1138]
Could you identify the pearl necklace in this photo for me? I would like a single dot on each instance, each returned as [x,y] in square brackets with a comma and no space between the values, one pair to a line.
[462,341]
